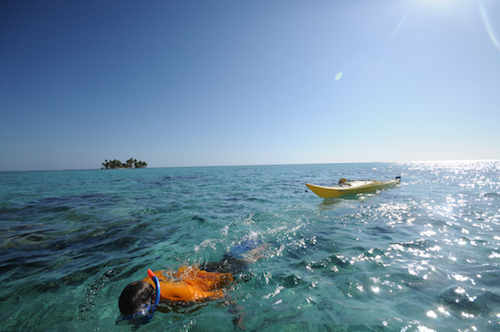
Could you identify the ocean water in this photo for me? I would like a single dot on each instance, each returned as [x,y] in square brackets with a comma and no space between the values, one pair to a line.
[422,256]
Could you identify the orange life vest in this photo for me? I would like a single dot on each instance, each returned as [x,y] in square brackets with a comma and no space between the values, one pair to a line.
[190,284]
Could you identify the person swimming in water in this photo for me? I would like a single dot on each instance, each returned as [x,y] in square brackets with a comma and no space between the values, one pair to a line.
[189,283]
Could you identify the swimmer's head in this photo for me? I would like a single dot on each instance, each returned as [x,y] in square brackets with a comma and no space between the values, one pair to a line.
[134,296]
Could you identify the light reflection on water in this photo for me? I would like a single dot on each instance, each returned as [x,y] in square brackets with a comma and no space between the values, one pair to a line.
[420,257]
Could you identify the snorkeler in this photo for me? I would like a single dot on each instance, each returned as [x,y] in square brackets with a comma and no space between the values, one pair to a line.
[139,299]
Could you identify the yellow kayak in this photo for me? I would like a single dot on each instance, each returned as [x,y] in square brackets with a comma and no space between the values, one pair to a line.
[345,187]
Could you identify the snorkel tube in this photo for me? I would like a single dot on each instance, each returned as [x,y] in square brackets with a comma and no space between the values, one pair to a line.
[152,275]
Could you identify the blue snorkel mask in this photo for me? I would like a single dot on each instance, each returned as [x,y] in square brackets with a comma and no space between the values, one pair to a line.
[147,310]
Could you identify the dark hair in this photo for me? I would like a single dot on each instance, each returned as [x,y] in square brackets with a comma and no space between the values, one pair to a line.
[133,296]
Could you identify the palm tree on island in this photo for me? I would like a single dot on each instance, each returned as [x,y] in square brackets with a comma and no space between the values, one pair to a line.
[116,164]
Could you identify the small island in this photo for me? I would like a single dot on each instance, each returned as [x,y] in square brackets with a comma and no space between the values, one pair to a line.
[116,164]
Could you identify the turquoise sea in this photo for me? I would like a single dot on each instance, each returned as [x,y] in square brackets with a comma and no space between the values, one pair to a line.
[422,256]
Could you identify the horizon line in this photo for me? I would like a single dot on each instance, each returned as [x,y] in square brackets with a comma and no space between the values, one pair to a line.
[249,165]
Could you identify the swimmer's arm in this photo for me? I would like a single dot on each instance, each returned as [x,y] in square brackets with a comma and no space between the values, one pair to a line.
[235,308]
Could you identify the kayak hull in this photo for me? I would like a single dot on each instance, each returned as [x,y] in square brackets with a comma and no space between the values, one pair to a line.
[352,188]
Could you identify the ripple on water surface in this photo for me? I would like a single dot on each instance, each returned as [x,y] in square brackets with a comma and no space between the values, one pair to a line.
[422,256]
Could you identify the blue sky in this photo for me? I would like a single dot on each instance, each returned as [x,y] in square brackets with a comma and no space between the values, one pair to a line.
[203,83]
